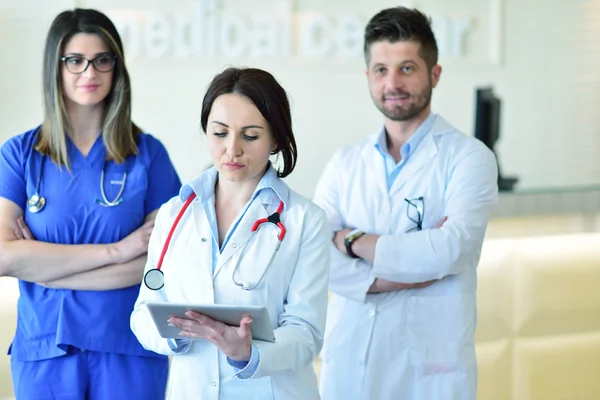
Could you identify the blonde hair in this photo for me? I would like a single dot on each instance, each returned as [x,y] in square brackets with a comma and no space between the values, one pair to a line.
[119,133]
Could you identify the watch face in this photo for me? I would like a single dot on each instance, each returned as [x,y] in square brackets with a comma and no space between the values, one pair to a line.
[354,235]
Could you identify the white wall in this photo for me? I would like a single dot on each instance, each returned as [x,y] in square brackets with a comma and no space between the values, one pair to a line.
[545,70]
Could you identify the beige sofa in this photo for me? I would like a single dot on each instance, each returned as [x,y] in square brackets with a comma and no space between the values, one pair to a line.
[538,335]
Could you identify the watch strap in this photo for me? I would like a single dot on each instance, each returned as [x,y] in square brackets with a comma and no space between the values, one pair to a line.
[349,239]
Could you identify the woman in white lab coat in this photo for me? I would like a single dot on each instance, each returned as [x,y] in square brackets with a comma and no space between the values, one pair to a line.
[246,117]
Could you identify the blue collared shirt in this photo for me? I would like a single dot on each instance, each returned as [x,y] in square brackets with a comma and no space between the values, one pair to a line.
[392,169]
[204,187]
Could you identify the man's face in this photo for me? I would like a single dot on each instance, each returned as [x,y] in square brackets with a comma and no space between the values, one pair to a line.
[399,80]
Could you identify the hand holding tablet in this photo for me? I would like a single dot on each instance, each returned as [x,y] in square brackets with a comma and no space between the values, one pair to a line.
[228,314]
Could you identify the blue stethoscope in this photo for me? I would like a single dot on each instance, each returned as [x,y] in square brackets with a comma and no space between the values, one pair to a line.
[154,279]
[36,202]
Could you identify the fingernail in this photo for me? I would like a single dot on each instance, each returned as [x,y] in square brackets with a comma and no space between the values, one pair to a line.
[170,324]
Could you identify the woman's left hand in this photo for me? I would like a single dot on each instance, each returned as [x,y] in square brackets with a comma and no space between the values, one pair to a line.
[22,232]
[234,342]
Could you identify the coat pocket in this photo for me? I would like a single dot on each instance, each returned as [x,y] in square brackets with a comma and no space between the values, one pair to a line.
[259,389]
[438,330]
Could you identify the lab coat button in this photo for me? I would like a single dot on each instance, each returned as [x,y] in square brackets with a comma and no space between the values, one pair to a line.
[234,245]
[203,239]
[372,313]
[214,384]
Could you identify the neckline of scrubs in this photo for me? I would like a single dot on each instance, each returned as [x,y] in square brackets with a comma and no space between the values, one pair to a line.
[94,156]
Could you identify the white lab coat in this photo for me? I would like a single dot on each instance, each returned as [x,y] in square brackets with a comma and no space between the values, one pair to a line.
[415,344]
[294,291]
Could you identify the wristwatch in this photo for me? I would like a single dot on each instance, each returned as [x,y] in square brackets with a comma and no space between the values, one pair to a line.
[349,239]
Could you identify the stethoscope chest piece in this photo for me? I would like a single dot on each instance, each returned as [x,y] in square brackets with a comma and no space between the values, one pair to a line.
[36,203]
[154,279]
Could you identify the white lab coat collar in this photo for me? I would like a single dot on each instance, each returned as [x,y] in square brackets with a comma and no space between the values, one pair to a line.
[426,150]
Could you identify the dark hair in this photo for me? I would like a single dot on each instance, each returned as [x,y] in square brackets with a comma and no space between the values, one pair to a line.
[120,134]
[399,24]
[268,96]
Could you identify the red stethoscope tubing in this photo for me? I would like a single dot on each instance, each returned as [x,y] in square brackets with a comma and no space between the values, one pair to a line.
[154,278]
[175,223]
[274,218]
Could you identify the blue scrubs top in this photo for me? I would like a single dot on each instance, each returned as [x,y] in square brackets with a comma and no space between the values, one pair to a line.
[51,320]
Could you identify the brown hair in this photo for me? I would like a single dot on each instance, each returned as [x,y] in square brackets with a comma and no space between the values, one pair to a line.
[268,96]
[400,24]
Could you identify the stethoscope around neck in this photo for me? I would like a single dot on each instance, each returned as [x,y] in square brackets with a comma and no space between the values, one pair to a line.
[154,279]
[36,202]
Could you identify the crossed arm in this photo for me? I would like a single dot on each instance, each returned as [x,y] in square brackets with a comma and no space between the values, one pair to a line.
[78,267]
[391,262]
[364,247]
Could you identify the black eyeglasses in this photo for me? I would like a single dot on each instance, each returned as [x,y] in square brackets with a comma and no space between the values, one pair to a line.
[78,64]
[415,211]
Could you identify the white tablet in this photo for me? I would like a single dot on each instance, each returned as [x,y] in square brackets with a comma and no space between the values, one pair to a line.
[228,314]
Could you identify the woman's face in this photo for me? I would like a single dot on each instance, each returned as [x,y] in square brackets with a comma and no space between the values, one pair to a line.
[239,138]
[88,88]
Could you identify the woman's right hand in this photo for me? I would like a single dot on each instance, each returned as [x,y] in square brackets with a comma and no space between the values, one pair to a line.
[235,342]
[133,245]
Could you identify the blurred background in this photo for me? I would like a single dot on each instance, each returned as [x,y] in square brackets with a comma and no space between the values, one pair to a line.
[538,61]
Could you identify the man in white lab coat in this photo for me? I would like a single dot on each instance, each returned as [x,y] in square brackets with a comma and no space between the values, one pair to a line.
[410,206]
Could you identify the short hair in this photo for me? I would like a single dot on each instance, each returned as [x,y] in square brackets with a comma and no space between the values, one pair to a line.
[399,24]
[119,133]
[261,88]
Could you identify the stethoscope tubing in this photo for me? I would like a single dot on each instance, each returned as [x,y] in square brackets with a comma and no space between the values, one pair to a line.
[154,278]
[37,202]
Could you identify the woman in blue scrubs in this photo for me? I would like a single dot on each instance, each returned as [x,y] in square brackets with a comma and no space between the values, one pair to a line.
[78,197]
